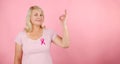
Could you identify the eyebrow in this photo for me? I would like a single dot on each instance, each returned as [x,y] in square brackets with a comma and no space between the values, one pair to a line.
[37,14]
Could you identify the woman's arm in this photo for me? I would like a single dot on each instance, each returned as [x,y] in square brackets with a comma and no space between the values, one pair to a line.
[18,54]
[63,41]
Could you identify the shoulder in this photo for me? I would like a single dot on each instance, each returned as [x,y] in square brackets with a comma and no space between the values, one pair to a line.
[49,30]
[21,34]
[19,37]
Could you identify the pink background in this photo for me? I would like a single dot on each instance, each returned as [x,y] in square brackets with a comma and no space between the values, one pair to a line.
[94,27]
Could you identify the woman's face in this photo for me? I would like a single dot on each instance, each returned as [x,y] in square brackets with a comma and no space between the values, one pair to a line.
[37,17]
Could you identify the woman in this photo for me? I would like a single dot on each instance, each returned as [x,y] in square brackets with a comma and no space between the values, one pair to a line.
[33,43]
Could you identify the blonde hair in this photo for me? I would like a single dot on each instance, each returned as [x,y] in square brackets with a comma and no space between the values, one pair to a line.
[28,27]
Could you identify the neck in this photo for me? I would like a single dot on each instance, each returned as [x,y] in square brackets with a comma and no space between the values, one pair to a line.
[36,28]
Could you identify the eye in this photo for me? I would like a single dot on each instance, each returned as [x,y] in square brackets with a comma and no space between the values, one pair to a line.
[41,14]
[36,14]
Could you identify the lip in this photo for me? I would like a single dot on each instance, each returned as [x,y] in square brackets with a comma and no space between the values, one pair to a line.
[38,20]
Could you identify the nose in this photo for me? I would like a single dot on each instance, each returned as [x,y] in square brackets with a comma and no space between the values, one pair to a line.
[39,17]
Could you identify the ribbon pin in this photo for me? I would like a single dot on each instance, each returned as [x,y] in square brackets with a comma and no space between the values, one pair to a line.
[42,41]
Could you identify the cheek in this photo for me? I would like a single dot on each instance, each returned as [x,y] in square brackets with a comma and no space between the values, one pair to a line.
[43,17]
[33,18]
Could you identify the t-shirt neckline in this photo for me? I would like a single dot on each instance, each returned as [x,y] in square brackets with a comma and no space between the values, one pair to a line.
[37,38]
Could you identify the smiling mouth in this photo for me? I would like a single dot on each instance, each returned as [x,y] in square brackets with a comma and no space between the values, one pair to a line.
[38,20]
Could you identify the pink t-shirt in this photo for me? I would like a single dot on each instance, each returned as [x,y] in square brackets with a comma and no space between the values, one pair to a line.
[36,51]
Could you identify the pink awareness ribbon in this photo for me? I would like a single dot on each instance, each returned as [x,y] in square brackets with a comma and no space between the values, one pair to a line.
[42,41]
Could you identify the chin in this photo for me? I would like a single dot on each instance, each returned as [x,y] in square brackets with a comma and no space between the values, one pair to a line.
[38,24]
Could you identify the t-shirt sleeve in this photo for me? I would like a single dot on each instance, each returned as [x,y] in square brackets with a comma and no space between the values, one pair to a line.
[18,38]
[54,34]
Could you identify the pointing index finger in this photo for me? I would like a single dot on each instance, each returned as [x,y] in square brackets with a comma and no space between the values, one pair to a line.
[65,12]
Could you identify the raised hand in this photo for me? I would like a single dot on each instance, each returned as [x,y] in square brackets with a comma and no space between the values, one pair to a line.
[63,17]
